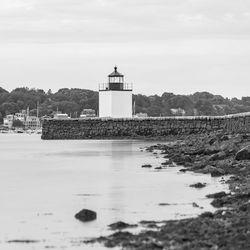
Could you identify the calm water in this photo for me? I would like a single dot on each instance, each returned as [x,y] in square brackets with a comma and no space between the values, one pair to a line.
[43,184]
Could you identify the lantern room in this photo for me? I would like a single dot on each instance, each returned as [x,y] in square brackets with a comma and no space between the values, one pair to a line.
[115,76]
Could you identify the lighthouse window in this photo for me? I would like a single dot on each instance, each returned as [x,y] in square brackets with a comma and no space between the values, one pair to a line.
[116,79]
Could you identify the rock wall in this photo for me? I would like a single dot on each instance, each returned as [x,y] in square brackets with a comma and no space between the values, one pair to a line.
[141,128]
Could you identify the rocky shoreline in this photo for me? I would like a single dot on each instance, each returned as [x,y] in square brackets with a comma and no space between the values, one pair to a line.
[217,154]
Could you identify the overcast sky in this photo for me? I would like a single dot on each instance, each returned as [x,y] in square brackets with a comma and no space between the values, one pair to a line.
[179,46]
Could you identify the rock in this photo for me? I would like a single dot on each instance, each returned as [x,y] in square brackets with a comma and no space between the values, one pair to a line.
[211,150]
[197,152]
[223,163]
[26,241]
[208,169]
[168,162]
[217,156]
[198,185]
[164,204]
[195,204]
[207,215]
[200,165]
[187,158]
[245,207]
[146,166]
[224,138]
[243,154]
[116,238]
[158,168]
[188,164]
[171,165]
[180,159]
[217,172]
[86,215]
[214,171]
[121,225]
[238,139]
[243,196]
[212,140]
[218,202]
[168,204]
[229,147]
[184,170]
[217,195]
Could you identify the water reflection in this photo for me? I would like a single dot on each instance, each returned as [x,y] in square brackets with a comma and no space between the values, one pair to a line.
[44,183]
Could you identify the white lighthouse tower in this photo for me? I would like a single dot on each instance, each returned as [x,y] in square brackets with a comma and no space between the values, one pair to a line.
[115,97]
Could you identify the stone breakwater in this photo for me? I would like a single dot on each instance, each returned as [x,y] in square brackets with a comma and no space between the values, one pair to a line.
[136,128]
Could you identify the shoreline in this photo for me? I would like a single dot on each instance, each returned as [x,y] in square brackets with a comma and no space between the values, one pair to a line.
[228,227]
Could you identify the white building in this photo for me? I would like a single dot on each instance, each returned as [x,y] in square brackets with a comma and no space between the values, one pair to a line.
[178,112]
[20,116]
[8,121]
[60,116]
[115,97]
[29,122]
[32,122]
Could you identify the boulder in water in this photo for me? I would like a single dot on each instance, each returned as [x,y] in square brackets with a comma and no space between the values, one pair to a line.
[198,185]
[86,215]
[146,166]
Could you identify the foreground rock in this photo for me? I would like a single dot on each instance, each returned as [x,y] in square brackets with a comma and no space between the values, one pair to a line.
[120,225]
[243,154]
[217,195]
[86,215]
[198,185]
[146,166]
[25,241]
[227,228]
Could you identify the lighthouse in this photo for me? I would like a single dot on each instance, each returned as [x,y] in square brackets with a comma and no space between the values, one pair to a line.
[115,97]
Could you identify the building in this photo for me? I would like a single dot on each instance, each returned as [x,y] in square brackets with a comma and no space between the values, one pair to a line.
[32,122]
[8,121]
[115,97]
[178,112]
[60,116]
[29,122]
[20,116]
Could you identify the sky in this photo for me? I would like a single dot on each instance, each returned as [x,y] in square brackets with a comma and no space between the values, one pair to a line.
[179,46]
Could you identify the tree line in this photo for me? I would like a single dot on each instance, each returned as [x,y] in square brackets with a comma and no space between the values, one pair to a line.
[73,101]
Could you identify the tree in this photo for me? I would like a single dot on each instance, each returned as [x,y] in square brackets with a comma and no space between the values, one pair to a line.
[66,107]
[3,90]
[75,100]
[17,124]
[204,107]
[1,118]
[9,108]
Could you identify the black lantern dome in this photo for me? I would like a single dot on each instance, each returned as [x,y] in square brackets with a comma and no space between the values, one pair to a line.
[116,80]
[115,73]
